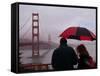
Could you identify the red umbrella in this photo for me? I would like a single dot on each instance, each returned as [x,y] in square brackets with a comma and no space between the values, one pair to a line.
[79,33]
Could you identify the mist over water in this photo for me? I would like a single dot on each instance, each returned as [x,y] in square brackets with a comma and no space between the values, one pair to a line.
[46,54]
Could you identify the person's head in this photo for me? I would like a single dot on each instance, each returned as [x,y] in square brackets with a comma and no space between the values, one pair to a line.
[81,49]
[63,41]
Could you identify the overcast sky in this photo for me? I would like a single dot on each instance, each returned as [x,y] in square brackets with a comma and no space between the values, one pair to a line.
[53,21]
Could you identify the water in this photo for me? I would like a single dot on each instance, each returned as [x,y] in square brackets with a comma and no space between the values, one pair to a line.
[46,55]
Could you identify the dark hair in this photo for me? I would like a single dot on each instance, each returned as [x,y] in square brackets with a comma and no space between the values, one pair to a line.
[63,41]
[81,49]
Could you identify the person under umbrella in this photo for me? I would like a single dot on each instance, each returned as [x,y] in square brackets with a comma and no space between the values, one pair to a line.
[81,33]
[64,57]
[85,60]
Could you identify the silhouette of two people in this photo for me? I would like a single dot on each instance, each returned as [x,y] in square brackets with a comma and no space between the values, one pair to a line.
[64,57]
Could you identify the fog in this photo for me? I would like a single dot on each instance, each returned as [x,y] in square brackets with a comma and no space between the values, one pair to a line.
[54,20]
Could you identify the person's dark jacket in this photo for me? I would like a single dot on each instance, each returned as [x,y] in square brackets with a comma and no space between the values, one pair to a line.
[64,58]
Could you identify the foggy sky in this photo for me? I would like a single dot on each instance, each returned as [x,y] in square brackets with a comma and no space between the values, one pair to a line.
[53,21]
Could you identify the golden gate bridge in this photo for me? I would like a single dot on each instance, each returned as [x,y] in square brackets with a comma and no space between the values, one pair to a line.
[35,39]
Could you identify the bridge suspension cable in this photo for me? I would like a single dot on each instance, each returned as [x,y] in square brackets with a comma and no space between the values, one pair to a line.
[25,23]
[26,31]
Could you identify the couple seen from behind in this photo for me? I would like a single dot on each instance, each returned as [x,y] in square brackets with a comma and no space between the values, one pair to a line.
[64,57]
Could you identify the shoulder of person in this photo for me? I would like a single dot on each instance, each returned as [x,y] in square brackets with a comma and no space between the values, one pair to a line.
[56,49]
[70,47]
[90,58]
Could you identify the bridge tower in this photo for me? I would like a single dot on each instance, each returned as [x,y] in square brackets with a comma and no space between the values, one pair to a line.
[35,34]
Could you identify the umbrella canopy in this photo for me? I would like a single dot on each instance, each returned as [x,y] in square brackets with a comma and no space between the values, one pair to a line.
[79,33]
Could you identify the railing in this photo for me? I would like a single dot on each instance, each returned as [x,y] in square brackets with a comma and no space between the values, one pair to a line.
[36,67]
